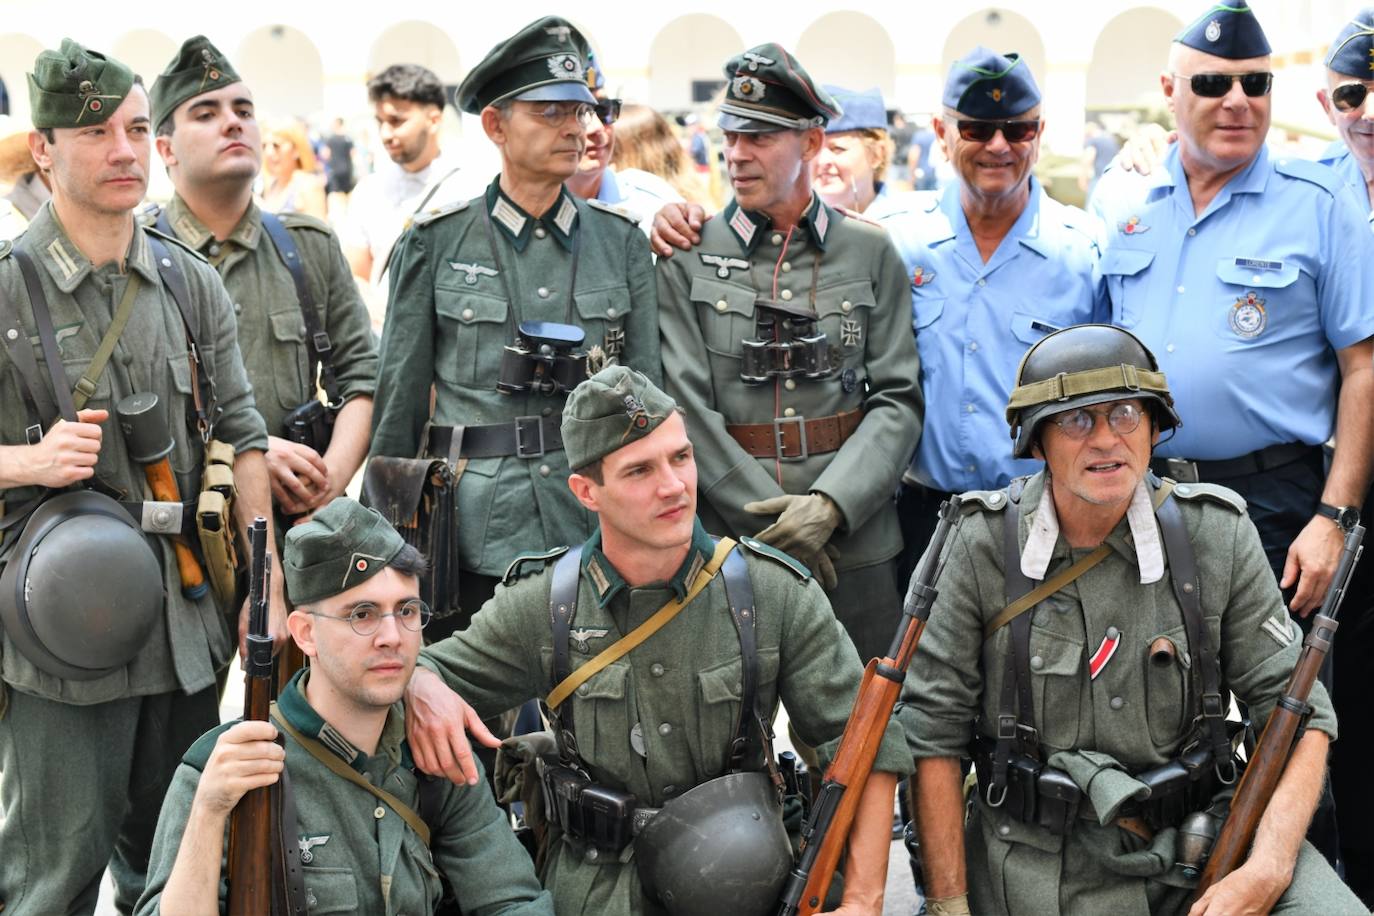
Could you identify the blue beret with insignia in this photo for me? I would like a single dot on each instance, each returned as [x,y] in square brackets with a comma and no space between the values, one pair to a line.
[985,84]
[862,110]
[1352,53]
[546,61]
[1229,30]
[769,90]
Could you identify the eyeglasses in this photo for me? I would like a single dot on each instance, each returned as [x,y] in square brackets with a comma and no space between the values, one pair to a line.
[1216,85]
[1349,96]
[1122,418]
[607,111]
[983,131]
[366,618]
[556,114]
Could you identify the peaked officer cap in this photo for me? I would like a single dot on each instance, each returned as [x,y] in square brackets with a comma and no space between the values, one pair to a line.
[546,61]
[769,90]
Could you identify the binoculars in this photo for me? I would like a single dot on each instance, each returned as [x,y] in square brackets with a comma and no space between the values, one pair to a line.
[544,359]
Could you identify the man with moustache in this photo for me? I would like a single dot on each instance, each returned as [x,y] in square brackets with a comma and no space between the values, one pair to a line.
[786,337]
[525,266]
[285,274]
[87,747]
[354,586]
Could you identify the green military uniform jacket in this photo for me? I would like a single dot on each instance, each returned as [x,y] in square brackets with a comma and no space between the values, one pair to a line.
[863,299]
[191,641]
[271,330]
[357,854]
[1135,713]
[681,688]
[461,281]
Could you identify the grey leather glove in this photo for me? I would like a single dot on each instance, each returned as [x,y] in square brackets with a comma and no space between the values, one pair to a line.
[804,525]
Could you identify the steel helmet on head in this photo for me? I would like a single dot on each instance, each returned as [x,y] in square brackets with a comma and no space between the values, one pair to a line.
[1080,366]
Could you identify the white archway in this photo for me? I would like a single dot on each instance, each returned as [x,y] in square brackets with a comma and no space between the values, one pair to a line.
[146,51]
[284,68]
[1128,57]
[690,50]
[17,53]
[850,49]
[416,42]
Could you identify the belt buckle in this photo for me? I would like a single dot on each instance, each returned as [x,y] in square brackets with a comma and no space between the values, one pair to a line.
[778,424]
[161,517]
[522,434]
[1182,470]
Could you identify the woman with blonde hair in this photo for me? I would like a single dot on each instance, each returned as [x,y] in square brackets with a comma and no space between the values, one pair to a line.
[645,140]
[853,164]
[23,189]
[290,174]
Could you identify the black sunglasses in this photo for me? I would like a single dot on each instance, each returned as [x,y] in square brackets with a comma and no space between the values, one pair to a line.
[607,110]
[1349,96]
[983,131]
[1216,85]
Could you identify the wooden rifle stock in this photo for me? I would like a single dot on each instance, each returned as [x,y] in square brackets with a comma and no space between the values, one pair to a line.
[1270,759]
[827,830]
[255,854]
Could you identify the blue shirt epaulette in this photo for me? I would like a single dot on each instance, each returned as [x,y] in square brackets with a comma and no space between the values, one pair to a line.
[293,220]
[1320,175]
[612,208]
[429,216]
[198,754]
[170,237]
[983,501]
[759,548]
[1211,492]
[517,569]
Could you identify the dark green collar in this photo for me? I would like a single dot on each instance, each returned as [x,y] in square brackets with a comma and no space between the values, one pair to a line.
[749,227]
[560,221]
[607,582]
[293,706]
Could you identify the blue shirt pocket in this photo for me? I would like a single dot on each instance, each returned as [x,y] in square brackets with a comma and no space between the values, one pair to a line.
[1251,293]
[1119,267]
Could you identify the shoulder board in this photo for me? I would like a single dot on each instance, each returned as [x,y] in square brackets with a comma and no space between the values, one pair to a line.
[148,215]
[983,501]
[199,753]
[293,220]
[530,562]
[759,548]
[612,208]
[430,215]
[6,246]
[858,217]
[1212,493]
[1315,172]
[153,230]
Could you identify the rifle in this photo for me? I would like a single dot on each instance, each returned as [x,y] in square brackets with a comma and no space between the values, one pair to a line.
[255,855]
[832,814]
[1281,732]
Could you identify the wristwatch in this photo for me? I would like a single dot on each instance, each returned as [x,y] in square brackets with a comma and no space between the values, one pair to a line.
[1347,517]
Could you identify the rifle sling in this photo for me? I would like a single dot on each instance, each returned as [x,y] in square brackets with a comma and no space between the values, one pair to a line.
[288,838]
[341,769]
[317,342]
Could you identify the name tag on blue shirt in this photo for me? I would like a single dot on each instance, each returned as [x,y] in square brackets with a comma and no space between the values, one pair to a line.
[1257,264]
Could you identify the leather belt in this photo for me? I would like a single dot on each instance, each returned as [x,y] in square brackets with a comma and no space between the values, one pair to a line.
[162,517]
[523,437]
[1266,459]
[796,438]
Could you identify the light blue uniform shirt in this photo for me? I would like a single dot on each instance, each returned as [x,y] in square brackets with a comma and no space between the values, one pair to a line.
[975,321]
[1245,305]
[638,193]
[1339,159]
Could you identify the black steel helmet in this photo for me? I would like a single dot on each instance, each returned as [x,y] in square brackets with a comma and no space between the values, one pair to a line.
[1080,366]
[719,848]
[82,589]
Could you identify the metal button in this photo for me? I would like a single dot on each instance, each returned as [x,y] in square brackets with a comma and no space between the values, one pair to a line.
[973,346]
[982,281]
[379,812]
[1188,587]
[1113,632]
[995,500]
[665,729]
[238,308]
[1170,348]
[12,334]
[582,690]
[611,312]
[1192,232]
[786,266]
[656,669]
[1037,662]
[1180,289]
[1004,830]
[971,409]
[166,262]
[467,314]
[1183,489]
[543,292]
[722,305]
[790,412]
[545,470]
[1117,703]
[790,384]
[540,232]
[1255,278]
[777,238]
[214,250]
[592,854]
[786,295]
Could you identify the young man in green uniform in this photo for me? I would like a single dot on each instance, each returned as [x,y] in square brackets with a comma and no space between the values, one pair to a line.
[87,747]
[466,278]
[209,140]
[1099,687]
[354,584]
[787,338]
[667,721]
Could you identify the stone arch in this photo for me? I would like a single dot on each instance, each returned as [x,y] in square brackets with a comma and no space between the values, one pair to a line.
[284,68]
[710,41]
[416,42]
[17,53]
[850,49]
[147,51]
[1128,57]
[999,30]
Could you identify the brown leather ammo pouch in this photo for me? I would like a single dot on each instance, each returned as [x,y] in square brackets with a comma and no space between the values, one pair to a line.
[418,497]
[215,523]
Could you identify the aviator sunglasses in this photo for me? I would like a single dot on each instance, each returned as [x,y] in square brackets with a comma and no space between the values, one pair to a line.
[1349,96]
[1216,85]
[983,131]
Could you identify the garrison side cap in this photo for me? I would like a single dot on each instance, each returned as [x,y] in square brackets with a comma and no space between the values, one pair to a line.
[76,87]
[990,86]
[1352,52]
[611,409]
[546,61]
[198,67]
[861,110]
[1229,30]
[769,90]
[342,546]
